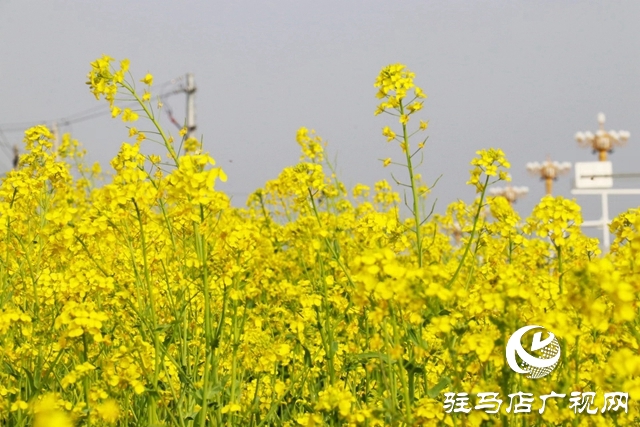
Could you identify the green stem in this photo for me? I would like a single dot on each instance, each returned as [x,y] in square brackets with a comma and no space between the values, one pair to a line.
[560,273]
[85,380]
[403,381]
[234,355]
[151,117]
[201,250]
[414,190]
[154,318]
[473,232]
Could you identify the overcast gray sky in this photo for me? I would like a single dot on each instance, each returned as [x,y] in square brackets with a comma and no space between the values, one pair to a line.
[520,75]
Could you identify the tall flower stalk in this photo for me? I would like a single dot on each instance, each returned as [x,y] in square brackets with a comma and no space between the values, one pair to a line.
[394,83]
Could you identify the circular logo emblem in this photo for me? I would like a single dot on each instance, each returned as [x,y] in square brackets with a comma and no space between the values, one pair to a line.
[545,357]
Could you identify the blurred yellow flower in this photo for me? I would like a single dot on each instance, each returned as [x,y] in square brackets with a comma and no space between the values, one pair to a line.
[148,79]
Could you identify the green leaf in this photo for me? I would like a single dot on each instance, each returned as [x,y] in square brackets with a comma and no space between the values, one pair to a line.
[211,392]
[192,416]
[435,391]
[163,327]
[374,355]
[334,347]
[307,357]
[413,367]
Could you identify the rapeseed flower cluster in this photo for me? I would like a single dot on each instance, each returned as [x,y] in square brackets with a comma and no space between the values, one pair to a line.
[149,300]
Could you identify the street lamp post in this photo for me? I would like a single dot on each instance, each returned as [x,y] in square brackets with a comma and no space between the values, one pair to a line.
[548,171]
[602,142]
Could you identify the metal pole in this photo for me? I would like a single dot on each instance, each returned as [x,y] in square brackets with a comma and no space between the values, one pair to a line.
[548,185]
[16,156]
[605,219]
[604,196]
[191,106]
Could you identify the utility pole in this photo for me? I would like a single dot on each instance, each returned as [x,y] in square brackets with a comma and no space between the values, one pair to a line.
[16,156]
[191,106]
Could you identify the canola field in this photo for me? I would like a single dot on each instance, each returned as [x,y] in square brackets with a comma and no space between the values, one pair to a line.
[148,300]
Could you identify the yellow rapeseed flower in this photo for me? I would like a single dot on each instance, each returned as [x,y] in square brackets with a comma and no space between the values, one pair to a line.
[148,79]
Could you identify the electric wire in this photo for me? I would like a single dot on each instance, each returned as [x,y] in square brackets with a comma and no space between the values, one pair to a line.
[81,116]
[4,146]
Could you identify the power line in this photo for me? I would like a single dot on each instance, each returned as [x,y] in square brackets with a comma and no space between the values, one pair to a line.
[3,140]
[81,116]
[77,117]
[4,145]
[82,119]
[170,82]
[191,106]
